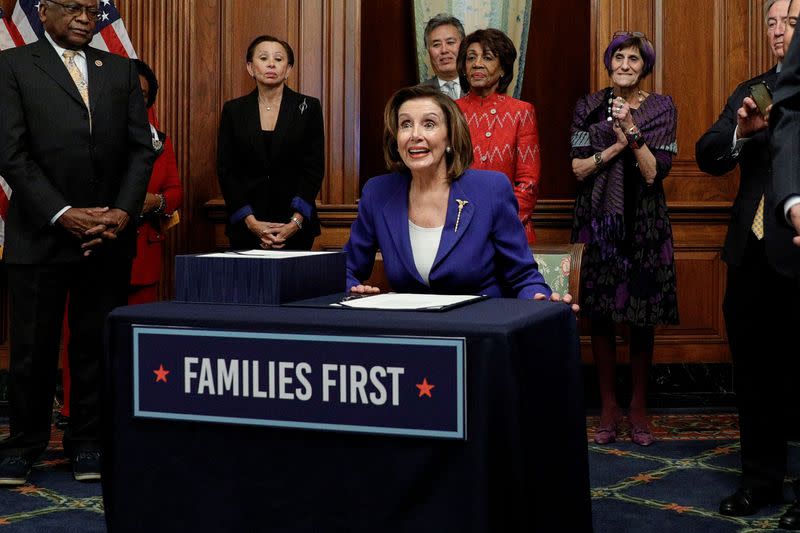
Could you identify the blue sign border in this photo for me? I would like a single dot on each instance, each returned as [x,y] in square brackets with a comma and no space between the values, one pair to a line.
[459,343]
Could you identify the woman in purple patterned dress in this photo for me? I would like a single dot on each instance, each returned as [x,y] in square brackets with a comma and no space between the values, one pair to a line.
[623,141]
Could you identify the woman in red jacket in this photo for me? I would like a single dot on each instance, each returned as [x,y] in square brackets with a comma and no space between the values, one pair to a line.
[503,129]
[164,196]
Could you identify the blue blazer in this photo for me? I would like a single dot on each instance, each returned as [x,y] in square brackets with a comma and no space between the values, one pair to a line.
[487,255]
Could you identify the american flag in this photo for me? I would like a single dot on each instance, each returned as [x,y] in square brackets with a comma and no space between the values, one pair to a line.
[25,27]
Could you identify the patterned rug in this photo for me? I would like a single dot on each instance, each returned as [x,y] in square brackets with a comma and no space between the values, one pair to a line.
[51,501]
[673,485]
[676,483]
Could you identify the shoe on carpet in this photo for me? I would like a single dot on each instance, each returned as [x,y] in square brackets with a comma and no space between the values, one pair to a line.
[606,433]
[86,466]
[791,518]
[14,470]
[641,434]
[745,502]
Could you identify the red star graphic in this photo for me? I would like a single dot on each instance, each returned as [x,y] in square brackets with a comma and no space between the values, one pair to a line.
[161,374]
[425,388]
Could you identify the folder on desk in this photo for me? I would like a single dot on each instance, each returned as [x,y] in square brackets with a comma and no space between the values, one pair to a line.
[397,301]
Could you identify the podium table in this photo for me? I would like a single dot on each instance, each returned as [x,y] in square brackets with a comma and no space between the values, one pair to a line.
[524,457]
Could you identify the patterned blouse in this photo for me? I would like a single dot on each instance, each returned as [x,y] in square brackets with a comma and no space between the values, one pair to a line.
[505,138]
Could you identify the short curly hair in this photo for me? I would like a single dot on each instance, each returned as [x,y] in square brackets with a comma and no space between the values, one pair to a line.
[500,45]
[623,40]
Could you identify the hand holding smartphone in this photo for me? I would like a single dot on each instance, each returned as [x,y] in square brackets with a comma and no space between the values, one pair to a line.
[762,96]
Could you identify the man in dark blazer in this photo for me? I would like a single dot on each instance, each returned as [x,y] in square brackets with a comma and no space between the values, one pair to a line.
[783,195]
[759,332]
[75,148]
[783,204]
[443,36]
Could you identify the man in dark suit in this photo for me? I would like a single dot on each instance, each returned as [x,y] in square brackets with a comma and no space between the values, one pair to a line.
[75,148]
[783,200]
[443,36]
[784,193]
[758,331]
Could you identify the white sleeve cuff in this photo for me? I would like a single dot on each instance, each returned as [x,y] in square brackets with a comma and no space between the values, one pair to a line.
[64,210]
[737,144]
[788,204]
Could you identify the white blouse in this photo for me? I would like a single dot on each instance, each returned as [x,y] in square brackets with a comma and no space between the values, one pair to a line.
[424,245]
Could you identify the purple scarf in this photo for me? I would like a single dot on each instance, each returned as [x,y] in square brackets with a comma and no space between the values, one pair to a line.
[656,119]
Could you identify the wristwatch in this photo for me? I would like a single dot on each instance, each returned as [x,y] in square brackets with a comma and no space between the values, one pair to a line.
[598,159]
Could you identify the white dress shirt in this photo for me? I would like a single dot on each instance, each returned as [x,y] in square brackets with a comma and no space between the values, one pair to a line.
[424,245]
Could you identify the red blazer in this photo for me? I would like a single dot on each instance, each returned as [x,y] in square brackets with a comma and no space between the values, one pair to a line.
[164,180]
[505,138]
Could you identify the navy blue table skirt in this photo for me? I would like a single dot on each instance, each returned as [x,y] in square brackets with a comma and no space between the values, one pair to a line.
[525,456]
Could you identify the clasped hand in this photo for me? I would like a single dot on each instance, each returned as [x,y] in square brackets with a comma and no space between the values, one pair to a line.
[273,235]
[94,225]
[794,218]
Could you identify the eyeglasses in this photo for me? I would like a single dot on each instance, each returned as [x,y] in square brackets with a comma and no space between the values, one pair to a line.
[74,10]
[638,34]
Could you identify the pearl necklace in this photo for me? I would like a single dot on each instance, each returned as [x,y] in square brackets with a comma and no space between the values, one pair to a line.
[639,96]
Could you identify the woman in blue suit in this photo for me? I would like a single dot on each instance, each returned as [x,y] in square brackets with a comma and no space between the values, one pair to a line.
[441,227]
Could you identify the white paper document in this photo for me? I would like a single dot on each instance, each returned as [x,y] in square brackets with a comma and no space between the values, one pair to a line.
[265,254]
[408,301]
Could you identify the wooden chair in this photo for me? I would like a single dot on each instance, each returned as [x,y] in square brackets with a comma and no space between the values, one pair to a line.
[560,264]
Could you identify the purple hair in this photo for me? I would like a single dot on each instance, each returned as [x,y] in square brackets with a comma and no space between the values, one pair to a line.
[626,40]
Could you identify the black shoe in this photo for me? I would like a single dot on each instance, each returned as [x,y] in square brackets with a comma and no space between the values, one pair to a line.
[791,518]
[86,466]
[14,470]
[61,421]
[745,502]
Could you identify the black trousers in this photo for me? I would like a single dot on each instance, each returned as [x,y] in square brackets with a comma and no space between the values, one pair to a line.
[762,316]
[37,298]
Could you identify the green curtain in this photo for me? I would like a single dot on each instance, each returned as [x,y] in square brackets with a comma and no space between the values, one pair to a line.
[511,16]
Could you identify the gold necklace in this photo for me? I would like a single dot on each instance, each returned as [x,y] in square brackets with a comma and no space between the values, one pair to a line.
[266,106]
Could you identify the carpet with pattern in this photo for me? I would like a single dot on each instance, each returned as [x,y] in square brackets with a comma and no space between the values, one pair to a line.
[673,485]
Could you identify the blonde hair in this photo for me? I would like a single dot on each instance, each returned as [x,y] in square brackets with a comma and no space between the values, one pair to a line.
[459,158]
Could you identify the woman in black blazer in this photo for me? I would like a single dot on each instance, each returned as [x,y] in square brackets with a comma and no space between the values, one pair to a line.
[271,156]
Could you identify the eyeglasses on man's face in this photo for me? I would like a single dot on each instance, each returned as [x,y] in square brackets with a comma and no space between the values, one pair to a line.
[75,10]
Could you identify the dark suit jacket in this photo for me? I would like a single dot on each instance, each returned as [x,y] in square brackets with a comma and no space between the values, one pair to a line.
[432,82]
[51,159]
[487,255]
[248,175]
[785,126]
[713,154]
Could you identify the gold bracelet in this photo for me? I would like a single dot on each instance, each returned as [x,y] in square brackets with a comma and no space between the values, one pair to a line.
[296,221]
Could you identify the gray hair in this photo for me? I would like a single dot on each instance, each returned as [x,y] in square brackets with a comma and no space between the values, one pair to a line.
[443,19]
[767,6]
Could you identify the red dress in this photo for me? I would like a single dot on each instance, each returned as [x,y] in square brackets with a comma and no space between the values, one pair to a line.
[505,138]
[146,269]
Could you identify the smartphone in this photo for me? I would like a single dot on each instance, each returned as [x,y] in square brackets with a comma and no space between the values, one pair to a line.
[762,95]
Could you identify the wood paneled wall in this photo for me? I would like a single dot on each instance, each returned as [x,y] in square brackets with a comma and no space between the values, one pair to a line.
[352,54]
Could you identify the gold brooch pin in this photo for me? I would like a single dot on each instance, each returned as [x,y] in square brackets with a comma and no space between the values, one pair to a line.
[461,204]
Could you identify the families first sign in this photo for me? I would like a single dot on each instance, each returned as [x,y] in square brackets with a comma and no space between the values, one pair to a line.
[388,385]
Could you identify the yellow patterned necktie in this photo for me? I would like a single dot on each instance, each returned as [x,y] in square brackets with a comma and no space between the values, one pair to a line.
[77,76]
[758,220]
